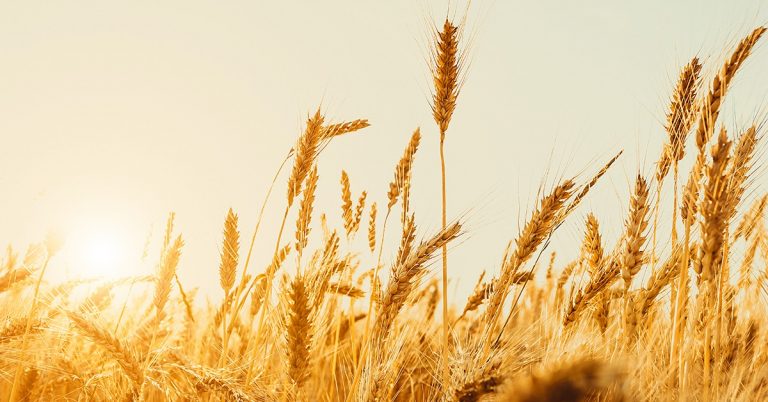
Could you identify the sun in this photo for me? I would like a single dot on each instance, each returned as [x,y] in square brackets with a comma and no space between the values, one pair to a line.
[99,251]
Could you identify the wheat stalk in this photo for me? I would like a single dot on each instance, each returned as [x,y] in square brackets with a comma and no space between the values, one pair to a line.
[543,220]
[227,271]
[446,65]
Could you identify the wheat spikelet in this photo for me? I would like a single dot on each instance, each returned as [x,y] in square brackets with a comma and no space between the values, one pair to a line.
[659,279]
[602,312]
[298,334]
[543,220]
[592,248]
[402,179]
[346,202]
[230,252]
[372,228]
[632,257]
[682,108]
[306,152]
[123,355]
[165,275]
[359,212]
[227,273]
[168,232]
[406,240]
[402,279]
[679,118]
[566,274]
[607,275]
[593,245]
[636,224]
[713,211]
[446,65]
[317,281]
[738,173]
[709,264]
[335,130]
[277,261]
[478,296]
[551,266]
[689,204]
[663,164]
[711,107]
[305,212]
[260,283]
[257,294]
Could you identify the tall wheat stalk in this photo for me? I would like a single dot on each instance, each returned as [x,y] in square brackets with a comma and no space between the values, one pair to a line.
[399,188]
[227,270]
[307,148]
[445,73]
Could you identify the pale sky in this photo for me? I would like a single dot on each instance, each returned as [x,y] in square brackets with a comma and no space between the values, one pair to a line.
[113,114]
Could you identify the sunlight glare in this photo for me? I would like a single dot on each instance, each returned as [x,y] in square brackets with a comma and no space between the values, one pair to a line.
[100,252]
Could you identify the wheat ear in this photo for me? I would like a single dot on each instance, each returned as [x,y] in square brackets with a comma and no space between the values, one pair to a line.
[227,271]
[710,110]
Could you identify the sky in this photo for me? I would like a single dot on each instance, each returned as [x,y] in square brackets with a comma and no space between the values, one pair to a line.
[113,114]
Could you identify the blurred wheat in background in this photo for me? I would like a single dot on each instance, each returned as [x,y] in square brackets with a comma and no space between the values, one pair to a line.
[657,315]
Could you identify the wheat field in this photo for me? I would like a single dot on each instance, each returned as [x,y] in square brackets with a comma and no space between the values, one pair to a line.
[670,311]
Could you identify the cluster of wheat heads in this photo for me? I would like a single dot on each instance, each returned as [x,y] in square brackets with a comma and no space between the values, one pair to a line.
[315,325]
